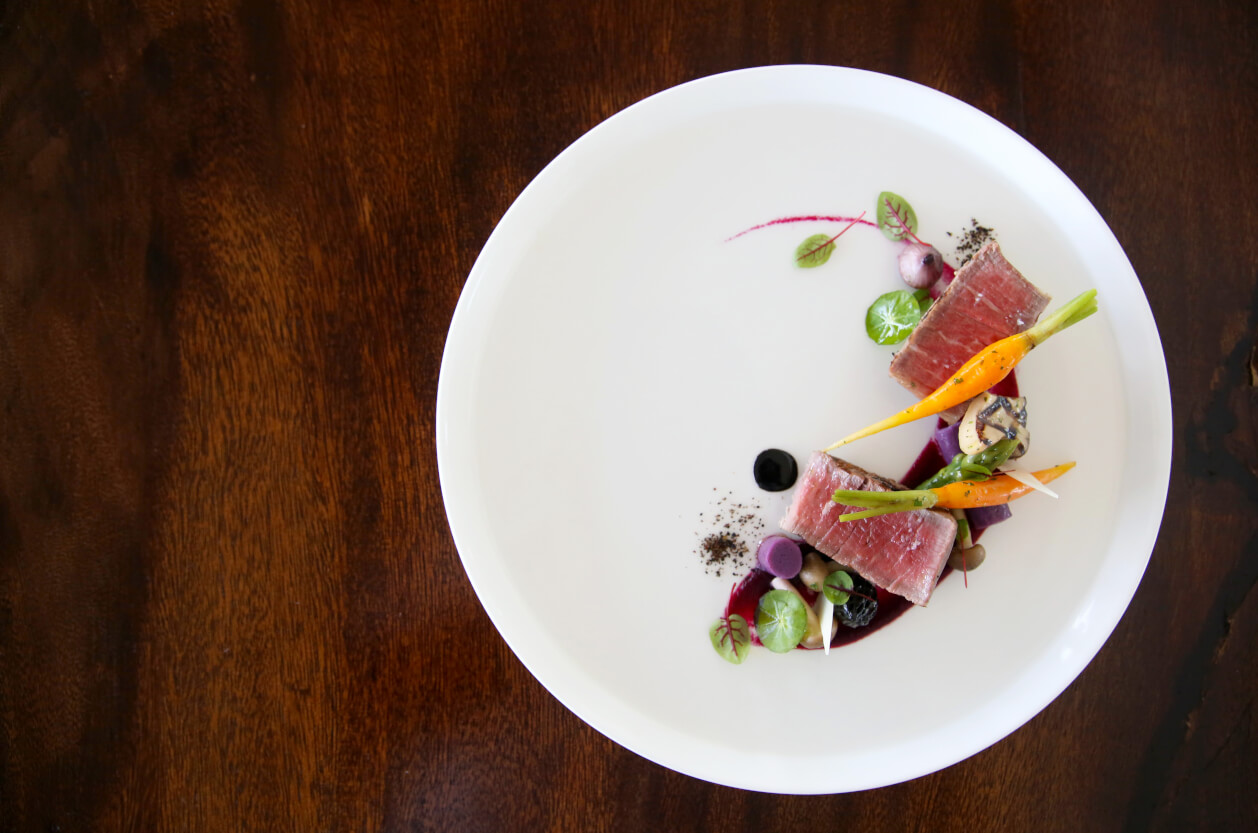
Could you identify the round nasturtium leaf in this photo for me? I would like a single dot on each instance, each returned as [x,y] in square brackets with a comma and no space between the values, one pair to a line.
[892,317]
[781,620]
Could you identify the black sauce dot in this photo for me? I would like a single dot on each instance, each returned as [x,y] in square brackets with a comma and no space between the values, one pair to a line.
[775,470]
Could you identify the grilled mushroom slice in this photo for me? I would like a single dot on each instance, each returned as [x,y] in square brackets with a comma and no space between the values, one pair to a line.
[990,419]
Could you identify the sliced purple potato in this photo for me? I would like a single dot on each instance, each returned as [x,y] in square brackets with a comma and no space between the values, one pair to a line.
[780,556]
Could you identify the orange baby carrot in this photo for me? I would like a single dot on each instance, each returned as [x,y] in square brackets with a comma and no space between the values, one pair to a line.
[970,494]
[964,494]
[986,368]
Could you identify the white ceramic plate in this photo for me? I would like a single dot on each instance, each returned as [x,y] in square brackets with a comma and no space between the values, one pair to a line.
[614,359]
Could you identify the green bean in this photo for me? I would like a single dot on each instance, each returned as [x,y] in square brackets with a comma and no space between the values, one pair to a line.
[972,466]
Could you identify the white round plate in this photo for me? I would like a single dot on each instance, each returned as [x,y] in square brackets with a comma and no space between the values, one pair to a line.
[616,362]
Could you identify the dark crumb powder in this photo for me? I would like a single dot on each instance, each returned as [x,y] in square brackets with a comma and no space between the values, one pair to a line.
[720,547]
[723,547]
[971,240]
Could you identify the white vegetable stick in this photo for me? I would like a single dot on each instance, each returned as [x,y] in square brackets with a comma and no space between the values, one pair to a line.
[827,620]
[1028,479]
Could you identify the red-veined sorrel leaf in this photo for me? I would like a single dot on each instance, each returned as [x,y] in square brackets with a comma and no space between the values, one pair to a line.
[896,217]
[731,637]
[814,251]
[817,249]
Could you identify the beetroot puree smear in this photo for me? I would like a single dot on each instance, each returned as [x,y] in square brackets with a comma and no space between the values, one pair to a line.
[814,218]
[929,461]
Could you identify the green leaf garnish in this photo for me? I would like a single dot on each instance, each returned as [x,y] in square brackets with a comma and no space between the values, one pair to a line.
[817,249]
[892,317]
[896,217]
[814,251]
[923,299]
[781,620]
[731,637]
[836,586]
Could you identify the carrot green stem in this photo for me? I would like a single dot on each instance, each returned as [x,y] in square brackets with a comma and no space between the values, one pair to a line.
[1070,313]
[871,513]
[882,503]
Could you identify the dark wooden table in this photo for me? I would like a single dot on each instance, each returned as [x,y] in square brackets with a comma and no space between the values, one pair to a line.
[232,235]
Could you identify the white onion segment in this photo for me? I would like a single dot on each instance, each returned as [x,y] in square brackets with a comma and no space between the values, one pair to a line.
[1028,479]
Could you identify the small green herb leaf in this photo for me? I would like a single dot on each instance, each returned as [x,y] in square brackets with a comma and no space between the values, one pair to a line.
[923,299]
[896,217]
[731,637]
[892,317]
[836,586]
[814,251]
[781,620]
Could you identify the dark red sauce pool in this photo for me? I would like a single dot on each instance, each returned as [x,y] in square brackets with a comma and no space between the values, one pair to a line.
[746,595]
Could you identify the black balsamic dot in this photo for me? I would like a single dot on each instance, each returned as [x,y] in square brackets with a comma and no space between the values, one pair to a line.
[775,470]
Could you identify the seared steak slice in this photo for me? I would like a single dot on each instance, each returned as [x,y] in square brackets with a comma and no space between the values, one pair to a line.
[987,300]
[902,552]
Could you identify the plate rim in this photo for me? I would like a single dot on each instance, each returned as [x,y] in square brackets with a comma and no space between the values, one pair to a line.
[572,689]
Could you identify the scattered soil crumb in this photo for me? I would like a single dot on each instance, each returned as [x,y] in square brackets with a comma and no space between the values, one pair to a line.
[725,535]
[970,240]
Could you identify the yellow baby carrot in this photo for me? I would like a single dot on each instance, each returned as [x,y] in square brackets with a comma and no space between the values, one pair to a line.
[984,369]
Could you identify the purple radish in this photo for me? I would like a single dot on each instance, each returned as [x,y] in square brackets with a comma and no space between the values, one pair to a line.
[920,265]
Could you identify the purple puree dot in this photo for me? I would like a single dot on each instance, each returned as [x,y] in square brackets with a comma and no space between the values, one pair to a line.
[780,556]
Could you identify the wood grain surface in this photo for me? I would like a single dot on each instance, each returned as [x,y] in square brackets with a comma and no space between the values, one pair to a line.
[232,235]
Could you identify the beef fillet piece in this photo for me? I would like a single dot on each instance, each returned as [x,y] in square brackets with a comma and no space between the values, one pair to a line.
[987,300]
[903,552]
